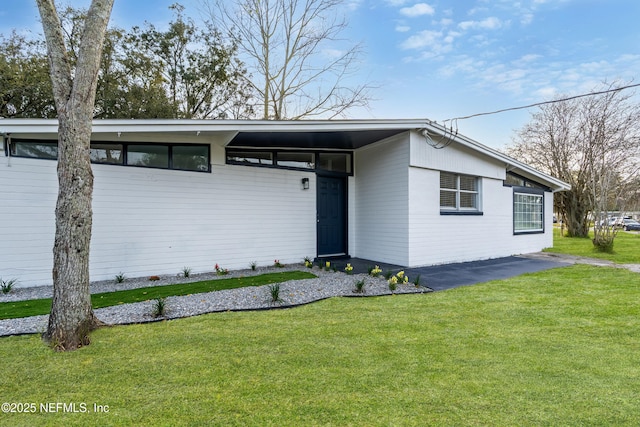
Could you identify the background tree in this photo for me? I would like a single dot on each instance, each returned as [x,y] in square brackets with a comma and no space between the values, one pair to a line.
[289,47]
[74,90]
[182,72]
[590,142]
[202,76]
[25,86]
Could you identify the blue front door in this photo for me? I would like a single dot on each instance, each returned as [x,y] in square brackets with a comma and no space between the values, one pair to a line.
[332,216]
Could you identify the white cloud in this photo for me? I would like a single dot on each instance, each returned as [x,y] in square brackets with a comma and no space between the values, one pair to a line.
[418,9]
[491,23]
[423,39]
[526,60]
[396,3]
[403,28]
[332,53]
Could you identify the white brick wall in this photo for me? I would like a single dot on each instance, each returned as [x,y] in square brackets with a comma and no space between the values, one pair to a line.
[150,221]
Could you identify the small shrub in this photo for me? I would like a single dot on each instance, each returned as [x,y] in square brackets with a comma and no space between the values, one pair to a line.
[274,292]
[254,265]
[276,263]
[327,265]
[388,274]
[359,289]
[307,262]
[399,278]
[159,307]
[604,243]
[7,285]
[154,278]
[221,271]
[416,281]
[186,271]
[348,269]
[120,277]
[375,272]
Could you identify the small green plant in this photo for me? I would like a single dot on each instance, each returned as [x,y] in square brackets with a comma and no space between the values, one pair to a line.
[276,263]
[120,277]
[307,262]
[416,281]
[374,271]
[7,285]
[388,274]
[393,285]
[359,287]
[348,269]
[274,292]
[186,271]
[254,265]
[327,265]
[159,307]
[221,271]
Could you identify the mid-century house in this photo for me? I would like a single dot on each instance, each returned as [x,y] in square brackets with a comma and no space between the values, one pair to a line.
[170,194]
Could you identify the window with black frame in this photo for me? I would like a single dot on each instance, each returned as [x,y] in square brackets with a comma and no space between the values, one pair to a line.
[528,211]
[187,157]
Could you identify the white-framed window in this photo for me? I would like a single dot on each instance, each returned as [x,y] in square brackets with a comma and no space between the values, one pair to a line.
[459,193]
[528,212]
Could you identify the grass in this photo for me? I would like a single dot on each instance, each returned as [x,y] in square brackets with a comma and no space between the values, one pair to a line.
[12,310]
[552,348]
[626,247]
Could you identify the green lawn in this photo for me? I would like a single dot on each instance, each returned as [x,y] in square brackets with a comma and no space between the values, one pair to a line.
[558,347]
[12,310]
[626,247]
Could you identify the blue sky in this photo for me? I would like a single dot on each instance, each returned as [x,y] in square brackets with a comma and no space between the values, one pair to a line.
[441,59]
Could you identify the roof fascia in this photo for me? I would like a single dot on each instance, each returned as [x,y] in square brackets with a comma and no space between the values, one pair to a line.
[554,183]
[181,125]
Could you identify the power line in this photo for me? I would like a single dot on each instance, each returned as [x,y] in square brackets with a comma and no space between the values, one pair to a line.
[537,104]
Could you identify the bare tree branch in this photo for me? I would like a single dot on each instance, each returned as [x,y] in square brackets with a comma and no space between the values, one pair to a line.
[299,66]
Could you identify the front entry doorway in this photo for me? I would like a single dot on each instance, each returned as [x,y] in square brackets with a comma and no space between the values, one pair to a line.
[332,216]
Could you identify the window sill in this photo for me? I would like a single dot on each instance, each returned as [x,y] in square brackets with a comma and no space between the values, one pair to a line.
[518,233]
[462,213]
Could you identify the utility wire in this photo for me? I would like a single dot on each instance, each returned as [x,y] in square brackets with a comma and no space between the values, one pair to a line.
[537,104]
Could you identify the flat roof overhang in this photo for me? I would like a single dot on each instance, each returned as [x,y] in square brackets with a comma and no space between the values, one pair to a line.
[337,140]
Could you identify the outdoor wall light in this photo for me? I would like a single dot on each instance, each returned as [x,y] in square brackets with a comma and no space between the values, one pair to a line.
[305,183]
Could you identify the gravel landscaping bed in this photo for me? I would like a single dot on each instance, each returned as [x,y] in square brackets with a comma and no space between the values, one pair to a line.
[292,293]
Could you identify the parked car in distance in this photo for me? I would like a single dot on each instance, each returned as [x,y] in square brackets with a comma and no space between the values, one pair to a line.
[630,225]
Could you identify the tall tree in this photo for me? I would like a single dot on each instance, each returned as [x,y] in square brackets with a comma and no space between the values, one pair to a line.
[74,90]
[202,76]
[290,49]
[592,143]
[128,85]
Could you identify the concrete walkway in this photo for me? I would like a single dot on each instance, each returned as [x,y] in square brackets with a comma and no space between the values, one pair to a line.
[448,276]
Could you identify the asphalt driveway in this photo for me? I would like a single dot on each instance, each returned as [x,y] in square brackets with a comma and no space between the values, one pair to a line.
[447,276]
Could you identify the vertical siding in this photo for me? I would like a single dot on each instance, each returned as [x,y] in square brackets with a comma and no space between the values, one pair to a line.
[149,221]
[381,201]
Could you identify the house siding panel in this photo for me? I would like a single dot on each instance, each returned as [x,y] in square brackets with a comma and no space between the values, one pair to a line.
[149,221]
[382,201]
[436,239]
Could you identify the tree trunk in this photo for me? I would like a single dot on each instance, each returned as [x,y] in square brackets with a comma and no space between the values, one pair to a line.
[576,215]
[72,316]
